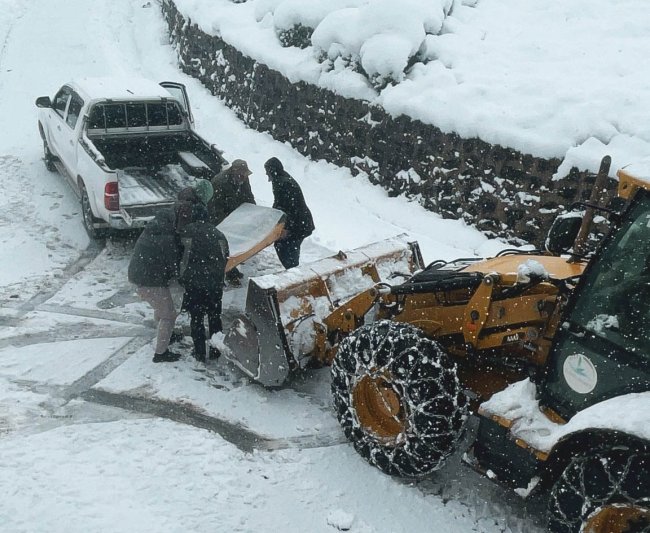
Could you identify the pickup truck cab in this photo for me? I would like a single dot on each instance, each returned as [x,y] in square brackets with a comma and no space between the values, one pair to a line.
[126,146]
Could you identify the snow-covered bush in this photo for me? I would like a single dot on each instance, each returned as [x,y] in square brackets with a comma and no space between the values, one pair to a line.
[380,38]
[295,20]
[298,35]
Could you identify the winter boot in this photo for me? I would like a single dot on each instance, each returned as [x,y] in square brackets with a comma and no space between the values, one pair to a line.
[166,357]
[200,357]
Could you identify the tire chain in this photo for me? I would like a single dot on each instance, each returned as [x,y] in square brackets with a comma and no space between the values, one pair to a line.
[426,377]
[619,468]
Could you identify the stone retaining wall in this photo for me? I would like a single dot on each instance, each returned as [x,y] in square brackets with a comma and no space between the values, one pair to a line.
[498,190]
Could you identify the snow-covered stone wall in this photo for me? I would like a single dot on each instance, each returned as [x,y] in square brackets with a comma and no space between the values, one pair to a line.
[499,190]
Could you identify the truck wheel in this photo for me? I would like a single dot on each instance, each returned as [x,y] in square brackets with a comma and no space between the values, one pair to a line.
[89,219]
[398,398]
[48,157]
[608,492]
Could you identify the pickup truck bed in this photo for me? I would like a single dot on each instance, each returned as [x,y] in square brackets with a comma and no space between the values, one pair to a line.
[152,169]
[154,150]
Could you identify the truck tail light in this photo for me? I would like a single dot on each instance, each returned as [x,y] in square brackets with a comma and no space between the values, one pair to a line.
[111,196]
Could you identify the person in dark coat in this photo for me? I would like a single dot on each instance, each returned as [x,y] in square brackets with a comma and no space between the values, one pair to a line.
[202,271]
[153,265]
[299,223]
[231,189]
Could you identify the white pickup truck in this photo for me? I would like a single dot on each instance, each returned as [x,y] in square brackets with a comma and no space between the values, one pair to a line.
[127,146]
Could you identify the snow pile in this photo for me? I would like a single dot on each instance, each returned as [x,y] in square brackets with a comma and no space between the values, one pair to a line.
[601,322]
[380,39]
[340,520]
[531,269]
[381,36]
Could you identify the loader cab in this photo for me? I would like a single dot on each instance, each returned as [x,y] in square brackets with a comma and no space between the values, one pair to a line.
[602,349]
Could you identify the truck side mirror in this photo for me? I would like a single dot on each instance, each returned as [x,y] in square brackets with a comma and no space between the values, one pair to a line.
[43,101]
[563,233]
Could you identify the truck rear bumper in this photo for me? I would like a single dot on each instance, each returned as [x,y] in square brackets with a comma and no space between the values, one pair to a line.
[117,221]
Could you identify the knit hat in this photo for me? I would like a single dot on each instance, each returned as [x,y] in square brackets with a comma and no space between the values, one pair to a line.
[204,191]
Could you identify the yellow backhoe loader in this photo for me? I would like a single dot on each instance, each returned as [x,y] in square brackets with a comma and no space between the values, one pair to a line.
[415,349]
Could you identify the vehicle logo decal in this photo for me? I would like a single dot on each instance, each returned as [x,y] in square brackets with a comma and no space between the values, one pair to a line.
[580,373]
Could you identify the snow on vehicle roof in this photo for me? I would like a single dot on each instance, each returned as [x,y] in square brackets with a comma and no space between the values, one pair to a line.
[120,88]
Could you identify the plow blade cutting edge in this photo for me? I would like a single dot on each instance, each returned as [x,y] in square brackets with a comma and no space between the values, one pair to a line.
[283,325]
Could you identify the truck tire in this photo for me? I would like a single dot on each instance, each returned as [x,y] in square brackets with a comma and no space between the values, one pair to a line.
[48,156]
[398,398]
[88,218]
[607,492]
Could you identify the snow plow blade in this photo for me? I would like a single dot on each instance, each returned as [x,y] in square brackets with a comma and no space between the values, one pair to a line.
[283,321]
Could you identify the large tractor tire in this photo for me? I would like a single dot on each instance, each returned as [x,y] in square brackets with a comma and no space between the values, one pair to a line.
[607,492]
[398,398]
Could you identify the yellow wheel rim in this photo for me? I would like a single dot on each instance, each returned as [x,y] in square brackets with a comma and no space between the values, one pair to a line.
[615,518]
[379,407]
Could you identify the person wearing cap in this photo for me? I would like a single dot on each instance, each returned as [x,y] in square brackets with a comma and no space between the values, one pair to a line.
[231,189]
[299,223]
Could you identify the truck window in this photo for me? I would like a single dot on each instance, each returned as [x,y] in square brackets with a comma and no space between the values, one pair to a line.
[614,303]
[174,115]
[61,100]
[76,103]
[115,115]
[136,115]
[157,114]
[96,118]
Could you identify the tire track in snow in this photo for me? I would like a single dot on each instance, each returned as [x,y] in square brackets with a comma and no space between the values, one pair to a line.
[240,436]
[92,313]
[66,332]
[237,434]
[23,308]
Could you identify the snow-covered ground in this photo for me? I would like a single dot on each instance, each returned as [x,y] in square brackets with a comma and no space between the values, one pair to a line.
[93,436]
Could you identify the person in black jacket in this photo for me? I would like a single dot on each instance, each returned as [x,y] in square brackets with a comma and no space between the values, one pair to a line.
[202,272]
[153,265]
[299,223]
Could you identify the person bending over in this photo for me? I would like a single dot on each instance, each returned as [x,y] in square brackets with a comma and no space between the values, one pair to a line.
[202,271]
